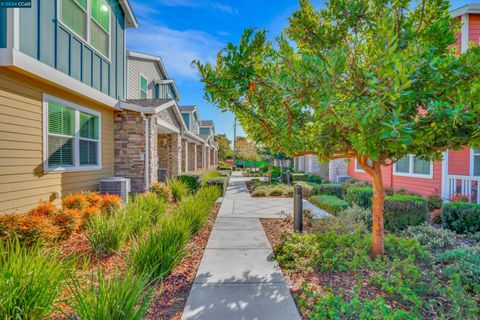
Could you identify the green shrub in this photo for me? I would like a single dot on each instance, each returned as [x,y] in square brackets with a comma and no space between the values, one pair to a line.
[466,263]
[161,250]
[107,233]
[331,189]
[434,239]
[31,279]
[358,215]
[162,191]
[191,180]
[461,217]
[361,196]
[276,190]
[211,174]
[434,202]
[401,211]
[343,223]
[221,183]
[153,207]
[260,192]
[332,306]
[314,179]
[179,189]
[195,210]
[117,298]
[330,204]
[297,176]
[309,188]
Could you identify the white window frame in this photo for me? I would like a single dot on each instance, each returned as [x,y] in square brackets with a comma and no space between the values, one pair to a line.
[140,86]
[76,138]
[87,41]
[410,169]
[357,168]
[472,162]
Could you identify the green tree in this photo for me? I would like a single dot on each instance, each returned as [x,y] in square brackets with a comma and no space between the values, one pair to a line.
[372,80]
[246,149]
[224,149]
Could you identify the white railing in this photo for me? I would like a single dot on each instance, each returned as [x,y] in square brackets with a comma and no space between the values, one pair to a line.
[467,186]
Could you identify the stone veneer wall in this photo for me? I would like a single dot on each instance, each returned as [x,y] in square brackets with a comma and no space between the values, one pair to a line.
[192,157]
[184,158]
[200,152]
[129,133]
[170,153]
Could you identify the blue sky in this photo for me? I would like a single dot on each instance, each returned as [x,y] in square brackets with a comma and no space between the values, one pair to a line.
[183,30]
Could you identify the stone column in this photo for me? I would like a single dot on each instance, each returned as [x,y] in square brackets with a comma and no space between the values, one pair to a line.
[184,155]
[153,155]
[207,158]
[200,155]
[192,157]
[163,156]
[130,148]
[176,156]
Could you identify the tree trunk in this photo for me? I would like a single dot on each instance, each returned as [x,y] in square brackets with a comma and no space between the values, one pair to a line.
[270,171]
[377,212]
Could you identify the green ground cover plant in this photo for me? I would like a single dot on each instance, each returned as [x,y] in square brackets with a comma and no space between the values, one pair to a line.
[117,297]
[461,217]
[404,284]
[31,279]
[401,211]
[329,203]
[331,189]
[179,189]
[361,196]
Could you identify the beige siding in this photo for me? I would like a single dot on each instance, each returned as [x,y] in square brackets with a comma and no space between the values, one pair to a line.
[148,69]
[23,183]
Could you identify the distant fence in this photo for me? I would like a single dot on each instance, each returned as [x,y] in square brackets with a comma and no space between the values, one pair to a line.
[250,163]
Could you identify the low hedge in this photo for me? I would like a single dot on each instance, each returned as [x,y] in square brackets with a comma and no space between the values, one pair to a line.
[329,203]
[299,176]
[401,211]
[331,189]
[192,180]
[361,196]
[220,182]
[314,179]
[461,217]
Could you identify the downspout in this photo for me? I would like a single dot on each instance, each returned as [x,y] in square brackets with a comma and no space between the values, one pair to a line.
[147,151]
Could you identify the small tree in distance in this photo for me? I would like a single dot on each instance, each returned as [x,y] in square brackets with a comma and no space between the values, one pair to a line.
[224,150]
[371,80]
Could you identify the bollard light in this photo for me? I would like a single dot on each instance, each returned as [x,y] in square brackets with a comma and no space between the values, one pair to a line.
[298,208]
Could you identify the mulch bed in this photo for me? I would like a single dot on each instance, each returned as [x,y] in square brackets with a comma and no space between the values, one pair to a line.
[170,296]
[337,281]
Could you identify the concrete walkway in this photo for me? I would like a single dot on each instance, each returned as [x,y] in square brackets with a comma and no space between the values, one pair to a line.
[238,277]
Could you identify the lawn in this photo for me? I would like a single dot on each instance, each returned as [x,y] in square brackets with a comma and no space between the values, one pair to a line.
[431,270]
[98,258]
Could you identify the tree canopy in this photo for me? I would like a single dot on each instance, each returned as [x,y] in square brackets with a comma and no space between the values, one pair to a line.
[224,149]
[371,79]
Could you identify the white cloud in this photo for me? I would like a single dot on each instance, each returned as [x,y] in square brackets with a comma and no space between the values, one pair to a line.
[223,8]
[198,3]
[176,47]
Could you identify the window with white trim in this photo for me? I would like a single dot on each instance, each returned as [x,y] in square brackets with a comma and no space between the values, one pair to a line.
[90,20]
[476,161]
[357,166]
[73,136]
[143,87]
[412,165]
